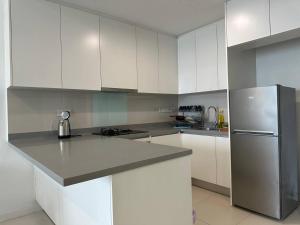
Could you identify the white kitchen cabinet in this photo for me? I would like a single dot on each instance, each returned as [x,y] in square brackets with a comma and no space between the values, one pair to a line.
[147,61]
[247,20]
[36,47]
[187,68]
[207,58]
[168,64]
[285,15]
[47,195]
[223,161]
[170,140]
[118,54]
[222,56]
[203,158]
[210,158]
[80,50]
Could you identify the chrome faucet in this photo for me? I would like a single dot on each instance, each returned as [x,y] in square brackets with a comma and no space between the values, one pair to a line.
[215,122]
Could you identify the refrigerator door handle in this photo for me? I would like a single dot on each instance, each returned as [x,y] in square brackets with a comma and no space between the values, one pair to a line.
[255,132]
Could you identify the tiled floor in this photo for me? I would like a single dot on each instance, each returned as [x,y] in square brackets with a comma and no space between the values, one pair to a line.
[211,208]
[215,209]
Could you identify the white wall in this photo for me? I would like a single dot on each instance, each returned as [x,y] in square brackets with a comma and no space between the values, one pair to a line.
[16,177]
[280,64]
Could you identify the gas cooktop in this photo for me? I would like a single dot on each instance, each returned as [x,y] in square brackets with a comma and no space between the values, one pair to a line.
[117,132]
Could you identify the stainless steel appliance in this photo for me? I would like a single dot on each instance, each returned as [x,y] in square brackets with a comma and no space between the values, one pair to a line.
[264,150]
[64,127]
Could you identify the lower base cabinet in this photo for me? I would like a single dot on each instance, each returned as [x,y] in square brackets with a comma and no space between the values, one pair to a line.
[204,164]
[159,194]
[210,159]
[223,162]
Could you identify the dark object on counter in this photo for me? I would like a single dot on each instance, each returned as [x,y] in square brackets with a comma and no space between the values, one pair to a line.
[117,132]
[64,127]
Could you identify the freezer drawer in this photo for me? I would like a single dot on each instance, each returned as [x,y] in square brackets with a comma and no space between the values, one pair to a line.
[255,173]
[255,109]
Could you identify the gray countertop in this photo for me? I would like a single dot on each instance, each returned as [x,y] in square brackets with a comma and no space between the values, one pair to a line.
[160,129]
[89,157]
[85,158]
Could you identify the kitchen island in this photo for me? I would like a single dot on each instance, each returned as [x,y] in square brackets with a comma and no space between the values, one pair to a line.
[95,180]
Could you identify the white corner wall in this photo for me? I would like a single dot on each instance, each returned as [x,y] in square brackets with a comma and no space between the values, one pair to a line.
[16,175]
[280,64]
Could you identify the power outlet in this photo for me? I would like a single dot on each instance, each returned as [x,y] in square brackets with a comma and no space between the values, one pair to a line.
[166,110]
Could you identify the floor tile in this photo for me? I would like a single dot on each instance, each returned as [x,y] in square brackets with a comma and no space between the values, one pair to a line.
[200,194]
[38,218]
[216,210]
[200,223]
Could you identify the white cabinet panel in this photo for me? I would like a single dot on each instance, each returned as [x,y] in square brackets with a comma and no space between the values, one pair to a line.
[170,140]
[36,47]
[247,20]
[80,50]
[223,162]
[222,56]
[147,61]
[168,64]
[203,158]
[207,58]
[187,70]
[118,54]
[285,15]
[48,195]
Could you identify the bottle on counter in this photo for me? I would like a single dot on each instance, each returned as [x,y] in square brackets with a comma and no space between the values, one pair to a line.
[221,118]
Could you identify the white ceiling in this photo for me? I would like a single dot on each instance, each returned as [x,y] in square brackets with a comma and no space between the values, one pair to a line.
[170,16]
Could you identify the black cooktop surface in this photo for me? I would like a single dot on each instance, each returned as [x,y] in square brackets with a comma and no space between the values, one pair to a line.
[117,132]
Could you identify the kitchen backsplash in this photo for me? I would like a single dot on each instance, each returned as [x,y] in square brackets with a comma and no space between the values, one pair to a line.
[36,110]
[217,99]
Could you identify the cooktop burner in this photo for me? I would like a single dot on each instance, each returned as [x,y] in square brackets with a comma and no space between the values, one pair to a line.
[117,132]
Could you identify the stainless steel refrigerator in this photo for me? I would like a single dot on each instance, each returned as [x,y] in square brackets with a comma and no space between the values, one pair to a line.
[264,150]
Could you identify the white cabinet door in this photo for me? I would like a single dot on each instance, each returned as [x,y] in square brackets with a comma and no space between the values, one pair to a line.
[80,50]
[222,56]
[168,64]
[170,140]
[285,15]
[48,195]
[36,47]
[247,20]
[187,70]
[147,61]
[223,162]
[207,58]
[118,54]
[203,158]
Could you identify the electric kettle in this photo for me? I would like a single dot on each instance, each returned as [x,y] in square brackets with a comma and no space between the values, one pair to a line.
[64,127]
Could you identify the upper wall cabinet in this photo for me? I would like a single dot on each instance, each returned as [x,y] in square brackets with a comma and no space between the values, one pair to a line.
[118,55]
[222,56]
[80,50]
[168,64]
[203,59]
[207,58]
[285,15]
[147,61]
[36,47]
[247,20]
[187,63]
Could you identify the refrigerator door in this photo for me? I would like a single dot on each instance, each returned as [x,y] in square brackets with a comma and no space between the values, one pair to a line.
[255,173]
[254,109]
